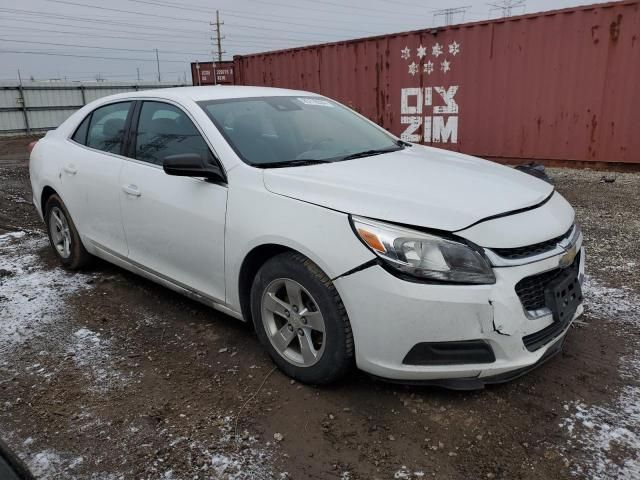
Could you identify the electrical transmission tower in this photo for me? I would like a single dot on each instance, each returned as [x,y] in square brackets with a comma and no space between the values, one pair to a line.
[450,14]
[218,38]
[508,7]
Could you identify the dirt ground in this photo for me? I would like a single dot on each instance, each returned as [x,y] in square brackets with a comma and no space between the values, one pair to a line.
[104,375]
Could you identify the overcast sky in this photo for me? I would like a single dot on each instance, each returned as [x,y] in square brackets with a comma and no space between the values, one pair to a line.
[61,38]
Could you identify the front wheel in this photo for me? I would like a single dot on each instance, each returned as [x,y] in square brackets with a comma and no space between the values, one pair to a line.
[300,320]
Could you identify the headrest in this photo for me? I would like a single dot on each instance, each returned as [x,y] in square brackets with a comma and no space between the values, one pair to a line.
[113,127]
[248,125]
[162,126]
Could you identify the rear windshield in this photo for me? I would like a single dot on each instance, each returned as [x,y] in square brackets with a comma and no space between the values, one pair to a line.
[265,130]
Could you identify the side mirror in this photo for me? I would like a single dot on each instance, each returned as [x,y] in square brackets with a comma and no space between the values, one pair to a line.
[192,165]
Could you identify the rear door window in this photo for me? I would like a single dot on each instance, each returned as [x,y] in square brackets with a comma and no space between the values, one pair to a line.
[165,130]
[107,127]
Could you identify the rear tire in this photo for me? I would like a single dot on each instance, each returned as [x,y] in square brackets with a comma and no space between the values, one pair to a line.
[300,320]
[63,235]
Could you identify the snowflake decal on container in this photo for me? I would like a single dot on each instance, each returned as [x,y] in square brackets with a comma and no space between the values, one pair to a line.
[428,67]
[436,50]
[445,66]
[454,48]
[413,68]
[405,53]
[422,52]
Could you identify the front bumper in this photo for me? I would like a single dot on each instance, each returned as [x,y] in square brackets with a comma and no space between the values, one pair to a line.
[389,316]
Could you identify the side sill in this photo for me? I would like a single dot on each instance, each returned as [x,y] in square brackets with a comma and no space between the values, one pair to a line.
[156,277]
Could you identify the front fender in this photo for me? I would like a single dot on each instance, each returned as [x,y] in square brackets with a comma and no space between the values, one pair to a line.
[257,217]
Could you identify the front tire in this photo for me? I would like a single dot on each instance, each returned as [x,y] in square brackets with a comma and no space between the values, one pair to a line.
[63,235]
[300,320]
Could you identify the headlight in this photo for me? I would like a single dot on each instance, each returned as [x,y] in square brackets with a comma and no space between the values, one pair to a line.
[423,255]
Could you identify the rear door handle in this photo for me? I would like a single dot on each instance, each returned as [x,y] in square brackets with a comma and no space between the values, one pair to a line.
[70,169]
[131,190]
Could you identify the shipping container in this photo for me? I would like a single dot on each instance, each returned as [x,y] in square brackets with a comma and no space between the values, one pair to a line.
[554,86]
[209,73]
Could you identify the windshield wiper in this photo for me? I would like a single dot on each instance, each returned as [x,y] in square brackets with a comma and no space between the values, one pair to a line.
[369,153]
[291,163]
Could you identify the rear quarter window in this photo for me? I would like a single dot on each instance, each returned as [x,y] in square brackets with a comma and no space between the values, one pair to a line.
[81,132]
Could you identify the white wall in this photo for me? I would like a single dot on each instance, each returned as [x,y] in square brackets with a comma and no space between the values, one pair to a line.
[48,104]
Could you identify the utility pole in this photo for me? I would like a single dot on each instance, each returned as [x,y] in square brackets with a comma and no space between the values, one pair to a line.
[218,43]
[158,65]
[449,14]
[218,38]
[507,7]
[138,71]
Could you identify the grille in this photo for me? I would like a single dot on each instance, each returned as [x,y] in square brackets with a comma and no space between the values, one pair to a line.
[531,289]
[531,250]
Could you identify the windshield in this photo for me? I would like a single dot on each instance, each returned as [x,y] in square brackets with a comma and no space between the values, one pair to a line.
[282,131]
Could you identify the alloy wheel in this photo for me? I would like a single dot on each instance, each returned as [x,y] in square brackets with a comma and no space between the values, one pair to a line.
[60,232]
[293,322]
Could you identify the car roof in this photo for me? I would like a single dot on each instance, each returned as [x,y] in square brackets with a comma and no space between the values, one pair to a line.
[214,92]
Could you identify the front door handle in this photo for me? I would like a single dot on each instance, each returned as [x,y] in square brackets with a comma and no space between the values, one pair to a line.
[131,190]
[70,169]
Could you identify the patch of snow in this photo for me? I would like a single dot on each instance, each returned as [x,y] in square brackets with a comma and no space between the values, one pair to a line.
[610,434]
[30,295]
[91,354]
[45,464]
[228,460]
[402,474]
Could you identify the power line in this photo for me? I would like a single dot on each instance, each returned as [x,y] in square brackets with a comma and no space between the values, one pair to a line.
[84,35]
[507,7]
[155,39]
[146,14]
[243,15]
[449,14]
[253,27]
[305,8]
[96,47]
[31,13]
[56,54]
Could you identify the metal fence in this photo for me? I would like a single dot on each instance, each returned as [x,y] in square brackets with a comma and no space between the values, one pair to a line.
[34,107]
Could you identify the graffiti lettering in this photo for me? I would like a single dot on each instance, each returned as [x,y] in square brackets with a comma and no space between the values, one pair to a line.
[436,128]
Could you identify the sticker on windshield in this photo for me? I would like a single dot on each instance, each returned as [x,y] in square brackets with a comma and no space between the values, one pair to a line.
[316,101]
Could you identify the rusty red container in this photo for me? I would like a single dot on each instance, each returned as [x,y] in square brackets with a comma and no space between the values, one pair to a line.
[554,86]
[208,73]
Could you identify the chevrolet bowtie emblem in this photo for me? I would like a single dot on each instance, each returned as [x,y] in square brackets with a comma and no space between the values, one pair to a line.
[568,257]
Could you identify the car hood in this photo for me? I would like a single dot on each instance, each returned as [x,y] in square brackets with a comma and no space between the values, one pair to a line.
[419,186]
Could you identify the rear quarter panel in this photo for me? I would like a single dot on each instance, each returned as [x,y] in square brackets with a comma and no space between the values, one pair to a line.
[45,168]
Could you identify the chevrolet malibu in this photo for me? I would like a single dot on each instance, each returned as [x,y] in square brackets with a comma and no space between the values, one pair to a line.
[342,244]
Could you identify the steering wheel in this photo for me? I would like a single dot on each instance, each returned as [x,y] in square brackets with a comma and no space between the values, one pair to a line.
[314,146]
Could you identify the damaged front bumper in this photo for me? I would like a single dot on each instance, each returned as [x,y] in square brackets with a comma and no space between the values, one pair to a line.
[390,317]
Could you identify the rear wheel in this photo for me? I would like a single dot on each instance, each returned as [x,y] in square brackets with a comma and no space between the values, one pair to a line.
[300,320]
[63,236]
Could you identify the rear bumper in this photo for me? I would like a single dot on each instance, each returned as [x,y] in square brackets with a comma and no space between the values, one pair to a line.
[389,316]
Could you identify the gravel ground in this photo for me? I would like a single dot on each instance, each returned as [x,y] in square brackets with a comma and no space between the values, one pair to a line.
[104,375]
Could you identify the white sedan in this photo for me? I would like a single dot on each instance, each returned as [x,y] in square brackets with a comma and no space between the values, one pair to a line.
[342,244]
